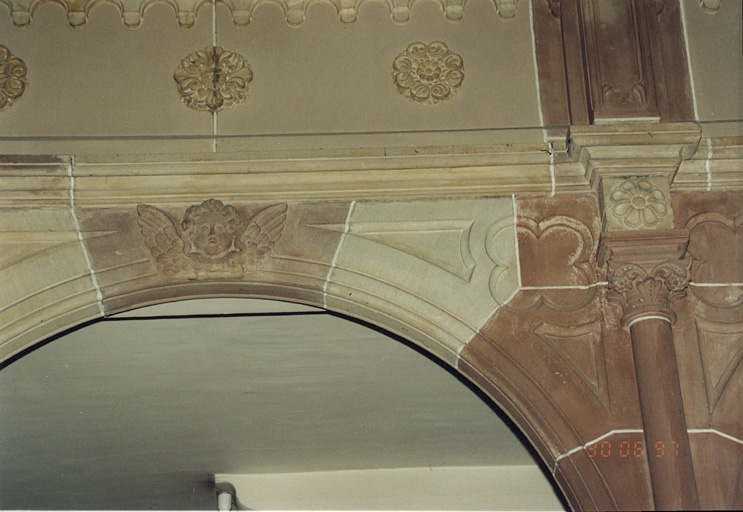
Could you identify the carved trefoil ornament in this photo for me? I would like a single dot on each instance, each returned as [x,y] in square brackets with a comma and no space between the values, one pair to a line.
[212,239]
[636,203]
[213,79]
[12,78]
[428,74]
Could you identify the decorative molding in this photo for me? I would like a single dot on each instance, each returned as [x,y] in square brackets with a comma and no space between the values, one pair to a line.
[213,238]
[12,78]
[428,73]
[636,203]
[581,347]
[295,12]
[632,149]
[721,349]
[213,79]
[442,243]
[504,278]
[562,281]
[646,273]
[617,49]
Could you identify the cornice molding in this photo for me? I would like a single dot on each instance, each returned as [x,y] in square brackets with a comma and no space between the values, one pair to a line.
[364,174]
[132,11]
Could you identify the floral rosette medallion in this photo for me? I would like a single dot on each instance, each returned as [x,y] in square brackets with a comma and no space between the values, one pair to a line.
[639,203]
[12,78]
[213,79]
[428,73]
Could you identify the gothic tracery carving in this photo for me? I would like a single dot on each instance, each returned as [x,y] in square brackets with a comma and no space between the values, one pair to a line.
[211,238]
[428,73]
[213,79]
[12,78]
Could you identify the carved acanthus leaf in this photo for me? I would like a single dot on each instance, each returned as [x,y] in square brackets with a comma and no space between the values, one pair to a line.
[634,288]
[213,79]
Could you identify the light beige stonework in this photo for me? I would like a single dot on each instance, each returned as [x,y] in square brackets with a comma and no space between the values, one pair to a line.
[424,267]
[46,281]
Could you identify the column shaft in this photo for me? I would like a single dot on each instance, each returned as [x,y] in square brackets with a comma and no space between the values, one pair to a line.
[666,436]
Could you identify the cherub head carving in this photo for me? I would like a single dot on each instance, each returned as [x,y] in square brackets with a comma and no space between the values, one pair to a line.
[213,238]
[211,230]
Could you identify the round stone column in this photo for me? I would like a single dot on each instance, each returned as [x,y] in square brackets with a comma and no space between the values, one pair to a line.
[647,271]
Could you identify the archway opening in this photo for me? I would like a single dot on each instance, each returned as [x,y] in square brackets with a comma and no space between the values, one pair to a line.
[143,409]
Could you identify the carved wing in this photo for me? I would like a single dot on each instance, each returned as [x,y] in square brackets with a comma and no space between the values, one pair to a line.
[263,231]
[163,238]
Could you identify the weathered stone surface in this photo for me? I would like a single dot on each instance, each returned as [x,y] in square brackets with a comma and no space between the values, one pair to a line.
[424,262]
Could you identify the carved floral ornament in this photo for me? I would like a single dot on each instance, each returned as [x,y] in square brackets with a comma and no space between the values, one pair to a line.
[12,78]
[428,73]
[212,239]
[641,292]
[213,79]
[638,203]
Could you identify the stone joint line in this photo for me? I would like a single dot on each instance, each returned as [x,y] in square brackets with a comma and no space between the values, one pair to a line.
[707,164]
[638,431]
[335,256]
[89,263]
[594,441]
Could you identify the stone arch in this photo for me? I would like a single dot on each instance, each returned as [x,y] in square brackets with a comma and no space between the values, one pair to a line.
[352,258]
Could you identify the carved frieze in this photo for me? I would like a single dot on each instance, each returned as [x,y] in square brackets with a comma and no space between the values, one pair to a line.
[295,11]
[636,203]
[212,239]
[428,73]
[213,79]
[12,78]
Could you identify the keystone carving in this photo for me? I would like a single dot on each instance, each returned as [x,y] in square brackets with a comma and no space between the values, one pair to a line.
[213,79]
[428,73]
[212,238]
[12,78]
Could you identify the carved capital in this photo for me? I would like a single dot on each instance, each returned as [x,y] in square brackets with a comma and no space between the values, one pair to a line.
[646,272]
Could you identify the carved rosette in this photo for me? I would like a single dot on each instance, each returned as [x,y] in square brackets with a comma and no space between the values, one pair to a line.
[428,73]
[12,78]
[213,79]
[643,293]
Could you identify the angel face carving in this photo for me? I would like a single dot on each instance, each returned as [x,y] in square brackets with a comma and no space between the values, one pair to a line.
[211,230]
[212,238]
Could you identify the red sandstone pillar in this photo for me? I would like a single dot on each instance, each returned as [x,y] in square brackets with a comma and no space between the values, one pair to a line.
[647,272]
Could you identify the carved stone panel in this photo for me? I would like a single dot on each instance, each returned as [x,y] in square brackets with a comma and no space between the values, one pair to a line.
[618,54]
